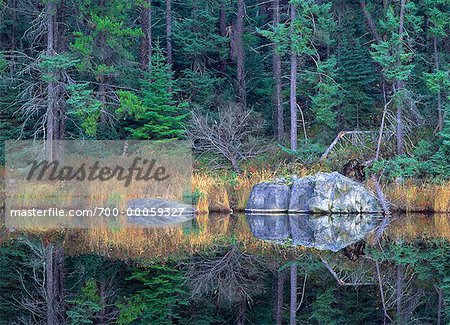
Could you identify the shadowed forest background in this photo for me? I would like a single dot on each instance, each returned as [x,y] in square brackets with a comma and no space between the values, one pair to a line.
[239,78]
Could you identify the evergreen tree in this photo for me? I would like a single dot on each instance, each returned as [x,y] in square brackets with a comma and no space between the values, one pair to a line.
[324,309]
[197,40]
[440,161]
[395,55]
[357,76]
[103,45]
[156,113]
[158,301]
[85,305]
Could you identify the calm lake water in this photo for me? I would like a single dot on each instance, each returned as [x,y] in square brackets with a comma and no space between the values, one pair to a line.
[232,269]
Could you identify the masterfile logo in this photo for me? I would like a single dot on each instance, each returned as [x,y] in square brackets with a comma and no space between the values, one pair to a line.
[89,176]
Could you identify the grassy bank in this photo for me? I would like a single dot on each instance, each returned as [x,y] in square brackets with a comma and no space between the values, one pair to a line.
[227,191]
[223,191]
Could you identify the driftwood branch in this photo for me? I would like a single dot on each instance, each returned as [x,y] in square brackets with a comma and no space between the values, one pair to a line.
[339,280]
[357,138]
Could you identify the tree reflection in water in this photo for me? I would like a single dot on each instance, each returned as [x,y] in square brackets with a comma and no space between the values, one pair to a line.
[223,269]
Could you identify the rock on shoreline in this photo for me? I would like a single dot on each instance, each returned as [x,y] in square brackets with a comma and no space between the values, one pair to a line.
[320,193]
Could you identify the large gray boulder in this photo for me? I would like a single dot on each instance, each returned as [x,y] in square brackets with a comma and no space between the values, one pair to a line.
[331,232]
[331,193]
[321,193]
[323,232]
[302,190]
[269,227]
[269,197]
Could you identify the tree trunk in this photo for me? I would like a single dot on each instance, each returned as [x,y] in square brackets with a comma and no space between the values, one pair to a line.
[240,55]
[279,297]
[277,76]
[222,32]
[14,26]
[370,22]
[293,87]
[146,40]
[54,284]
[293,303]
[439,99]
[62,45]
[440,305]
[400,85]
[169,31]
[50,11]
[399,293]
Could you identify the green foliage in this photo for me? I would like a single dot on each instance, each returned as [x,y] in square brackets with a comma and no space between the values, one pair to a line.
[356,76]
[85,107]
[103,46]
[307,153]
[160,299]
[154,109]
[401,166]
[327,93]
[192,197]
[439,16]
[324,308]
[425,161]
[86,304]
[395,54]
[440,161]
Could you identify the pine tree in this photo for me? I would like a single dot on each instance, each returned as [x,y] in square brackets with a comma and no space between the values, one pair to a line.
[395,55]
[197,39]
[326,98]
[157,115]
[85,305]
[439,16]
[159,300]
[324,309]
[440,161]
[356,76]
[103,45]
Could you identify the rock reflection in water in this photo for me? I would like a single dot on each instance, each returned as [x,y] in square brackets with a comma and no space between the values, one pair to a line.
[330,232]
[160,220]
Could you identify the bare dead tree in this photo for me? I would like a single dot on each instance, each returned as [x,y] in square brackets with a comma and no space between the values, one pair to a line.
[400,293]
[43,294]
[357,277]
[232,134]
[231,278]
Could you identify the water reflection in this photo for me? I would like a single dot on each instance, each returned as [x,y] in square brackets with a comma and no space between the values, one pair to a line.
[228,267]
[330,232]
[159,220]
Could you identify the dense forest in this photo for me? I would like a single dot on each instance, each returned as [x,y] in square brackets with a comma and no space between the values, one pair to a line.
[272,74]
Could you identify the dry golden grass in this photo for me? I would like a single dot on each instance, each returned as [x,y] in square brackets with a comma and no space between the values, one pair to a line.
[411,197]
[225,191]
[177,242]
